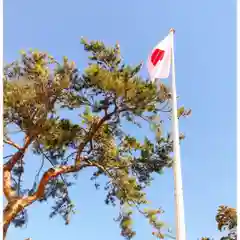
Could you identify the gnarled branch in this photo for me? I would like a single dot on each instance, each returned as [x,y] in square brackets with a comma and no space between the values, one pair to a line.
[15,207]
[7,168]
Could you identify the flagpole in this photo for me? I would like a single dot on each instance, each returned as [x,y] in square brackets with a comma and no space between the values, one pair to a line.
[178,191]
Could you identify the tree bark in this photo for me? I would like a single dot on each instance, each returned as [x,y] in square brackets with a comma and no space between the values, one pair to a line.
[15,204]
[5,229]
[10,212]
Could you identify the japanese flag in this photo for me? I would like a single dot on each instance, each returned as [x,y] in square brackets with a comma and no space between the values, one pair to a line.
[159,61]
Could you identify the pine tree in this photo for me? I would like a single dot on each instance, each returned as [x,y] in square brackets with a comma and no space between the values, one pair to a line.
[38,90]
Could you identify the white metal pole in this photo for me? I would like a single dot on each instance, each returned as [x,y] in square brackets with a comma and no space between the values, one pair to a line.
[178,192]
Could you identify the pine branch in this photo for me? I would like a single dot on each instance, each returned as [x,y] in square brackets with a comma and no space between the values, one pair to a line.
[92,133]
[7,168]
[49,175]
[16,206]
[9,142]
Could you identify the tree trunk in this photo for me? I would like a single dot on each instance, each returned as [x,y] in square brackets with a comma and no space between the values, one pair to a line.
[5,229]
[12,209]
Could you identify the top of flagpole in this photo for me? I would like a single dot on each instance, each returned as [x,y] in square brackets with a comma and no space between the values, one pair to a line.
[172,30]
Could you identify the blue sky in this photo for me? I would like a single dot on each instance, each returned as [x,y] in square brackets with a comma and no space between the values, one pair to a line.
[205,75]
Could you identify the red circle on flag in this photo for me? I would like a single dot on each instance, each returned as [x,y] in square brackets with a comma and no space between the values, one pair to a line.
[157,56]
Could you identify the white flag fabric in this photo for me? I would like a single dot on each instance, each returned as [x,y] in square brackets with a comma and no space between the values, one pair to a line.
[159,61]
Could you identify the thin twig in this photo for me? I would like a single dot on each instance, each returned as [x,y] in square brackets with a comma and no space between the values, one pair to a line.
[9,142]
[8,156]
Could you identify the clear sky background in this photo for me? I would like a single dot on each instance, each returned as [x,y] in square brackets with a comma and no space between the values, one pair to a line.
[205,72]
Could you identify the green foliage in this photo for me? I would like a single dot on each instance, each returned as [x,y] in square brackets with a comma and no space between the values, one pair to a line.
[39,92]
[226,219]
